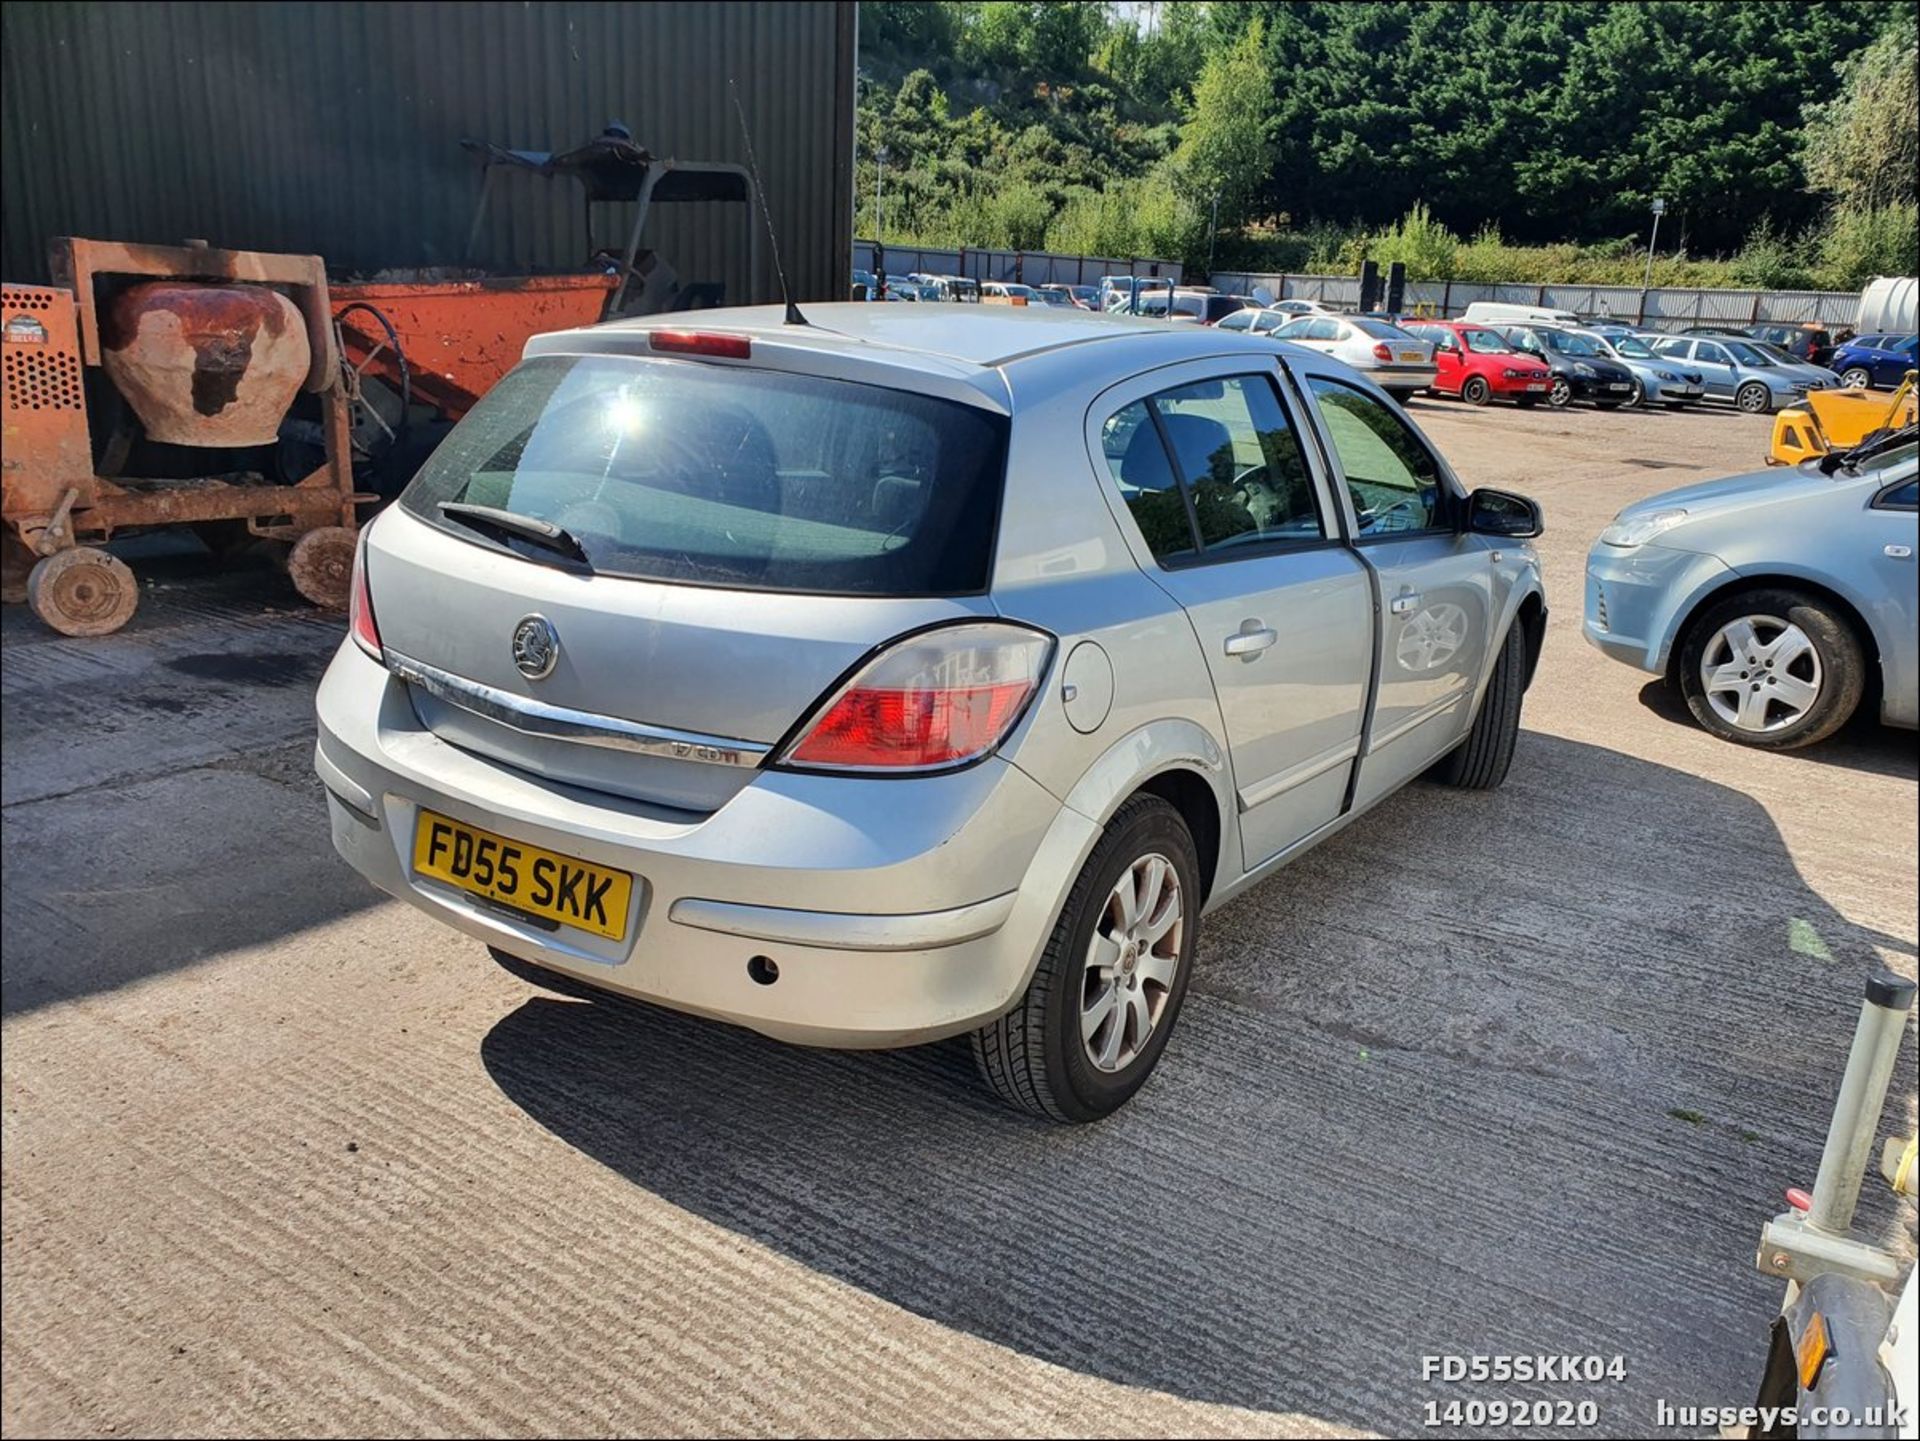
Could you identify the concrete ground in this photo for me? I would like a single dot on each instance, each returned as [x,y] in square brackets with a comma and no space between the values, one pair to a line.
[1520,1073]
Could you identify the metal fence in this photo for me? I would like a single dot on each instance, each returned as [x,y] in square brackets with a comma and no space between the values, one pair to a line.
[1026,267]
[1668,309]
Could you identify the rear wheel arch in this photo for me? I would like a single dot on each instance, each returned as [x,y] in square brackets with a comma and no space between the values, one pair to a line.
[1188,792]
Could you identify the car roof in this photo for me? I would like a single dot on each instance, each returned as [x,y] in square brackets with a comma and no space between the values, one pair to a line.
[974,336]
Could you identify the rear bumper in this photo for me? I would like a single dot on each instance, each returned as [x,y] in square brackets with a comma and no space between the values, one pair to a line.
[1403,377]
[895,911]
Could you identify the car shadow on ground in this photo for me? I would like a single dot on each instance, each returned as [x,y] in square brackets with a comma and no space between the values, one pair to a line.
[1862,744]
[1519,1072]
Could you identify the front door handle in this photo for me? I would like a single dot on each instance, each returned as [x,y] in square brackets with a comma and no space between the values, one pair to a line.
[1251,640]
[1402,604]
[1899,552]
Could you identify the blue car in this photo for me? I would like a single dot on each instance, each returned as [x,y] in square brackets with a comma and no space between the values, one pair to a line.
[1873,360]
[1774,602]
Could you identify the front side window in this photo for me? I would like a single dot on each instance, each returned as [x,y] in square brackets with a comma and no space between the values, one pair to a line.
[1239,320]
[1214,462]
[1487,342]
[708,475]
[1393,478]
[1675,349]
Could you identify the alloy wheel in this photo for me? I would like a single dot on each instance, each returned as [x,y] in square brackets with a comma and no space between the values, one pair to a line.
[1855,379]
[1751,398]
[1559,393]
[1760,673]
[1130,963]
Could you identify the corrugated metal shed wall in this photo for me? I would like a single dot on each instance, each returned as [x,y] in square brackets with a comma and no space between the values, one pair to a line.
[336,128]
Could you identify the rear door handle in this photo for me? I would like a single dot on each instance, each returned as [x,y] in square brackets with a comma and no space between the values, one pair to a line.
[1402,604]
[1899,552]
[1252,639]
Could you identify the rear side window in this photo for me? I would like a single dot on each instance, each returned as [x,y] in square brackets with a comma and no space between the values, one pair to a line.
[1241,475]
[678,471]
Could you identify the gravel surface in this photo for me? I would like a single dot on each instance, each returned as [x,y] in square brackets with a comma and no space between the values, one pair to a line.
[1520,1072]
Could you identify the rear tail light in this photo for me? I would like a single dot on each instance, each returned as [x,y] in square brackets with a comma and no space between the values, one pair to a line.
[360,623]
[933,700]
[697,342]
[1382,351]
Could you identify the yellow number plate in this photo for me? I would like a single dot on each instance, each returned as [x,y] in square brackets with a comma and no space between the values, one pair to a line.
[539,882]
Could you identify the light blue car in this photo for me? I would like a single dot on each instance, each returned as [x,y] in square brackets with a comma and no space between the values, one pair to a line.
[1774,601]
[1656,381]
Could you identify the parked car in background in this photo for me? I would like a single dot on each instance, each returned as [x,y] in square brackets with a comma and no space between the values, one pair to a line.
[1300,306]
[1081,297]
[1773,601]
[1807,343]
[1209,307]
[1655,381]
[1494,312]
[1582,369]
[1385,354]
[1476,363]
[1254,321]
[863,285]
[1740,371]
[985,652]
[1877,361]
[1008,292]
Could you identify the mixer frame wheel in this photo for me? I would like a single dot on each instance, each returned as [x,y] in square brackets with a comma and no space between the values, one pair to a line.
[82,591]
[321,565]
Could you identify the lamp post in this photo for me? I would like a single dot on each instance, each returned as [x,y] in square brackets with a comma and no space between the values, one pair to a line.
[879,189]
[1213,227]
[1646,283]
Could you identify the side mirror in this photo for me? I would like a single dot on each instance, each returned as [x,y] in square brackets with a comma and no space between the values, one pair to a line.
[1502,513]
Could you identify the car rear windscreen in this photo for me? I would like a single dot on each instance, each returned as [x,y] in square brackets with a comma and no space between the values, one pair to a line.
[708,475]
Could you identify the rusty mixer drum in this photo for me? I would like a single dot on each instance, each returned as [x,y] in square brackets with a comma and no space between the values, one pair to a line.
[206,365]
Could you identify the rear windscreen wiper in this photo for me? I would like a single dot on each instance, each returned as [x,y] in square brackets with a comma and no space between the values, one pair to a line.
[520,527]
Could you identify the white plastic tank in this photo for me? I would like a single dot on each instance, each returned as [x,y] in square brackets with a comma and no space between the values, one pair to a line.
[1888,304]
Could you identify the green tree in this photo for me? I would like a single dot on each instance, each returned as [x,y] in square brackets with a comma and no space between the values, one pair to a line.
[1863,146]
[1226,144]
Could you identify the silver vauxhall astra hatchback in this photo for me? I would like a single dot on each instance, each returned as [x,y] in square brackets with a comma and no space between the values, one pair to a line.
[915,671]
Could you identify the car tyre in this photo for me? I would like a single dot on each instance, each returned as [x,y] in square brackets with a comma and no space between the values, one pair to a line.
[1837,666]
[1476,391]
[1481,762]
[1754,398]
[1035,1057]
[1637,397]
[1855,377]
[1559,393]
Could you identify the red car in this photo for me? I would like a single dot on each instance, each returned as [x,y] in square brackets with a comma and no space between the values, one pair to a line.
[1476,363]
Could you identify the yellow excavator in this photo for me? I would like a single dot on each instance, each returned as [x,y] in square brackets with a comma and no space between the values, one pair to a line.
[1839,420]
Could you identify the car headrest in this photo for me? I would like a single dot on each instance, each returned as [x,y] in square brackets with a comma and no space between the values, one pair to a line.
[1196,440]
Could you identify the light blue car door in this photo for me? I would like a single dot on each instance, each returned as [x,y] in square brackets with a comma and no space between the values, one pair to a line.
[1890,536]
[1434,583]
